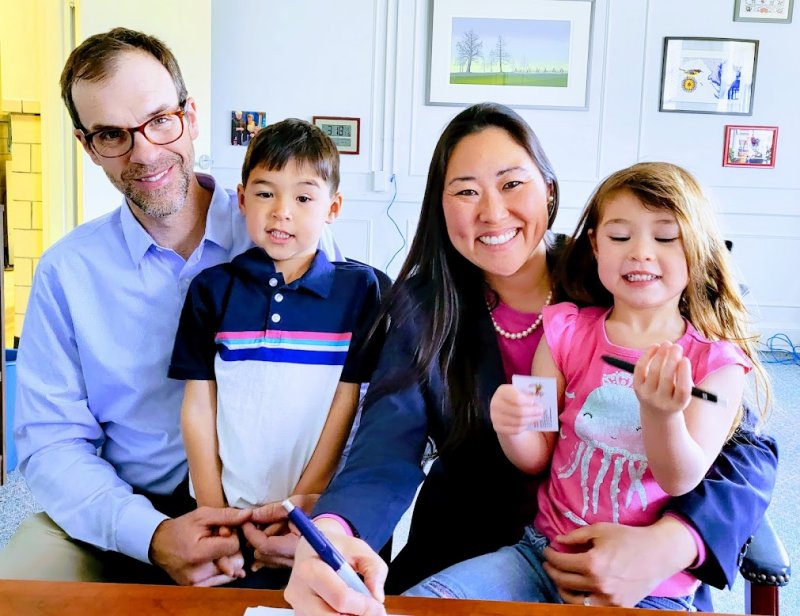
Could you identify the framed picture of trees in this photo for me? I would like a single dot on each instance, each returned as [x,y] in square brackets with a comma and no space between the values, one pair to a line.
[524,53]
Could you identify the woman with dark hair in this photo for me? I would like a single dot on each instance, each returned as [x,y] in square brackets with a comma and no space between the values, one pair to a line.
[463,316]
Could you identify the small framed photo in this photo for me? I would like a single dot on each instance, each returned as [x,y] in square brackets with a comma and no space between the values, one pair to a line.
[344,132]
[245,125]
[750,146]
[708,75]
[769,11]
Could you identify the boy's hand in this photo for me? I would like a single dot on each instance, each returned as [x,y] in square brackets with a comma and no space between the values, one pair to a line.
[273,541]
[662,380]
[513,411]
[233,565]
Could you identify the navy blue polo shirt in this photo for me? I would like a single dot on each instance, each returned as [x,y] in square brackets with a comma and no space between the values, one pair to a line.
[277,352]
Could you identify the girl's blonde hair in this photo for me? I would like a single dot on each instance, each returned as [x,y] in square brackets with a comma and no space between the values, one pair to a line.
[712,301]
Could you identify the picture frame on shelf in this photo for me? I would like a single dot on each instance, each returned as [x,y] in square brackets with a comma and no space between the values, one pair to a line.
[522,53]
[344,132]
[708,75]
[764,11]
[750,146]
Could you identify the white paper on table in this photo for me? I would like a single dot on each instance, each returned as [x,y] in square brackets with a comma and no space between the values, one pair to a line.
[270,611]
[544,389]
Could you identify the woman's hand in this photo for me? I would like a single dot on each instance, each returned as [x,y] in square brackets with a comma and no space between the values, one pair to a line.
[662,380]
[315,589]
[513,411]
[619,565]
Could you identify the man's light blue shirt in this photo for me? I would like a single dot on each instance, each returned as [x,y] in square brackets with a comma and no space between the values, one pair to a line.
[95,411]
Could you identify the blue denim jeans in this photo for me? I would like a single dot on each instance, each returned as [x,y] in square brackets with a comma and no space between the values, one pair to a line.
[514,573]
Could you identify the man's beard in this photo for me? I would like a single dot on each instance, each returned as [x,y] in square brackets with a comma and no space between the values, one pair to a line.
[162,202]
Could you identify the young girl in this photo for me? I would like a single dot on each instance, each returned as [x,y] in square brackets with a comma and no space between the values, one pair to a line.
[649,265]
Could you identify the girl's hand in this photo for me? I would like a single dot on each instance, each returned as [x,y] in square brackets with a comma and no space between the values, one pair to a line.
[512,411]
[662,380]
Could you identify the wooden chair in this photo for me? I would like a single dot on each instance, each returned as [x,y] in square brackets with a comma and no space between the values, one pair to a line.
[765,566]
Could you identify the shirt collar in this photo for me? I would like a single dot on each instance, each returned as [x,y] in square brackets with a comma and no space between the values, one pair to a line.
[137,239]
[218,222]
[318,279]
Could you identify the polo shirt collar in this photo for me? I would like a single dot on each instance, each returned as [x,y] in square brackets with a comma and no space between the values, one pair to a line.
[318,279]
[218,222]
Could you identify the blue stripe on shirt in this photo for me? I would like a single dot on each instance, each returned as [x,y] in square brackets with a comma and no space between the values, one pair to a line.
[291,356]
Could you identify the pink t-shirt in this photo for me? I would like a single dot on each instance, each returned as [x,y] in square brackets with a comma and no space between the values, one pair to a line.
[599,471]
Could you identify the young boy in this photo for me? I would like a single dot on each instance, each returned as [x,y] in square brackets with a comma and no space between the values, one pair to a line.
[268,344]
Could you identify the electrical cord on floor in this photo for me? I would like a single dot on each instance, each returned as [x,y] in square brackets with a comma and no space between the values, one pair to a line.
[781,350]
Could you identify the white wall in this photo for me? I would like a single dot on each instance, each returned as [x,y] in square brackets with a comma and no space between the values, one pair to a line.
[185,26]
[368,58]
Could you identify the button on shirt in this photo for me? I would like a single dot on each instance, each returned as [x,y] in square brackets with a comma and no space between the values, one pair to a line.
[95,413]
[277,352]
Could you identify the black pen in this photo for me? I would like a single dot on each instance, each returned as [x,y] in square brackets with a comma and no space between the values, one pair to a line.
[628,367]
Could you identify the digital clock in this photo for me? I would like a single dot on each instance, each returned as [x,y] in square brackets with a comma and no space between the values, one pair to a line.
[344,132]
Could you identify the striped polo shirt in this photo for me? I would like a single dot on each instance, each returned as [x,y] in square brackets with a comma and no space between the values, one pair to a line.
[277,352]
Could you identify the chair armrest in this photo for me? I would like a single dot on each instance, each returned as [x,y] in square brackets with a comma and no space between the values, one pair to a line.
[765,560]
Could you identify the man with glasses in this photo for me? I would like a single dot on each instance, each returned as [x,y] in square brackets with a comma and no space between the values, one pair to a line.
[97,420]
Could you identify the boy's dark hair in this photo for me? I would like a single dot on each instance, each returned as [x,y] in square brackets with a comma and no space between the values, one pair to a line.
[297,140]
[93,59]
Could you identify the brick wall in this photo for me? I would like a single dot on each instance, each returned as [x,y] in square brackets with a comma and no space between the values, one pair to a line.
[24,174]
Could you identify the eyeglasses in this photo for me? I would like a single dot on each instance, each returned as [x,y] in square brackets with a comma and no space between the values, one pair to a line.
[161,130]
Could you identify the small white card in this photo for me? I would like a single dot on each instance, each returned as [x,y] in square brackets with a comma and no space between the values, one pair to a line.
[544,389]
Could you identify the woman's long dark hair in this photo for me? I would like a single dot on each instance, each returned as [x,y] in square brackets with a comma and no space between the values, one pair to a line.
[456,303]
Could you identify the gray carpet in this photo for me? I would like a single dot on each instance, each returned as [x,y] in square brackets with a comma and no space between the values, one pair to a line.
[16,502]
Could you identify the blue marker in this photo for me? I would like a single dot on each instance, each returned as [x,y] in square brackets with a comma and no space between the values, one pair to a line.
[329,554]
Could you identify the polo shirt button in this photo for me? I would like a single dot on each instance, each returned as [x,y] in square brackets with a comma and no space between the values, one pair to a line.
[278,297]
[273,282]
[276,318]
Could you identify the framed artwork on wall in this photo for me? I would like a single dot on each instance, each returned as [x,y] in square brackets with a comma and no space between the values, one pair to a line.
[750,146]
[344,132]
[708,75]
[524,53]
[768,11]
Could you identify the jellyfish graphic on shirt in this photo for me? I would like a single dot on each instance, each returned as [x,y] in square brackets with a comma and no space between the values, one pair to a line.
[609,425]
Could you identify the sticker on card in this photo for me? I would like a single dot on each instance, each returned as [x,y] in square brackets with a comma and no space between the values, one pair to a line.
[543,388]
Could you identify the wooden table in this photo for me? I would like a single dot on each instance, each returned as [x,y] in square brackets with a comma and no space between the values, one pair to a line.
[24,598]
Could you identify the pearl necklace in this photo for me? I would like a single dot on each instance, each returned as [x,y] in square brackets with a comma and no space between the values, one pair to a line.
[524,333]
